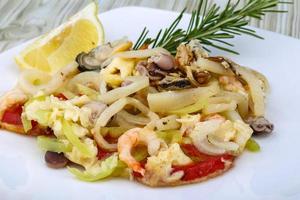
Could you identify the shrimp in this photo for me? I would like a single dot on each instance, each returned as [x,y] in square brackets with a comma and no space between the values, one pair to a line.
[13,97]
[231,83]
[132,138]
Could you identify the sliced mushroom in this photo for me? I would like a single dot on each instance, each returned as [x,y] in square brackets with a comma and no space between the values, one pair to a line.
[154,71]
[151,70]
[141,68]
[260,125]
[94,59]
[163,61]
[189,53]
[229,64]
[174,83]
[163,77]
[184,55]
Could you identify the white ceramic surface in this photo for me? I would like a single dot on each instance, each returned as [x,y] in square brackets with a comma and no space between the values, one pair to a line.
[269,175]
[21,20]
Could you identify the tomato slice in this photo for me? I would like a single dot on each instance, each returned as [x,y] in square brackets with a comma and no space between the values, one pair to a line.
[13,115]
[203,168]
[208,164]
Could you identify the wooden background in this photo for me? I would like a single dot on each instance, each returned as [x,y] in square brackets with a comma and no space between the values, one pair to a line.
[21,20]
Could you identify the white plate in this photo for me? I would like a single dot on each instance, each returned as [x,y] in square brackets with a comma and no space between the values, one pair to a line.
[271,174]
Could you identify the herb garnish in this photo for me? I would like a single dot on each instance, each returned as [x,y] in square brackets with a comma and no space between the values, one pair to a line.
[211,25]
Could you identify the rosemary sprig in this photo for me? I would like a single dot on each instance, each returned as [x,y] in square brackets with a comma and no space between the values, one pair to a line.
[211,25]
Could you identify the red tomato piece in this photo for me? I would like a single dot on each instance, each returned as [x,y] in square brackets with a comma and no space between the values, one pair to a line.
[209,165]
[201,169]
[13,115]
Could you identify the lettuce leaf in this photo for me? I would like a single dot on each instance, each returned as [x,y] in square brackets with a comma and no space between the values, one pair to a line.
[106,168]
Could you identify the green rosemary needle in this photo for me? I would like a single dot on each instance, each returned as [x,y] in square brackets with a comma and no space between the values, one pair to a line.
[211,25]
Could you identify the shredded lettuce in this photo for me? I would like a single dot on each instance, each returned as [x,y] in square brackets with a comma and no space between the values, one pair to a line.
[43,117]
[52,144]
[26,123]
[106,168]
[121,170]
[37,98]
[67,129]
[46,111]
[170,136]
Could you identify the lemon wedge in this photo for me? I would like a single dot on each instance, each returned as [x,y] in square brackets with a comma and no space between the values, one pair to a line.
[58,48]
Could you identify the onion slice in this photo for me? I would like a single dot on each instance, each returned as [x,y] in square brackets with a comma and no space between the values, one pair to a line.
[27,78]
[139,82]
[164,102]
[102,86]
[256,90]
[134,119]
[232,115]
[208,148]
[218,108]
[200,133]
[241,99]
[88,78]
[228,146]
[123,123]
[211,66]
[113,109]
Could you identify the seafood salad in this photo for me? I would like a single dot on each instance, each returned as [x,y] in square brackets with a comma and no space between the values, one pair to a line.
[157,117]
